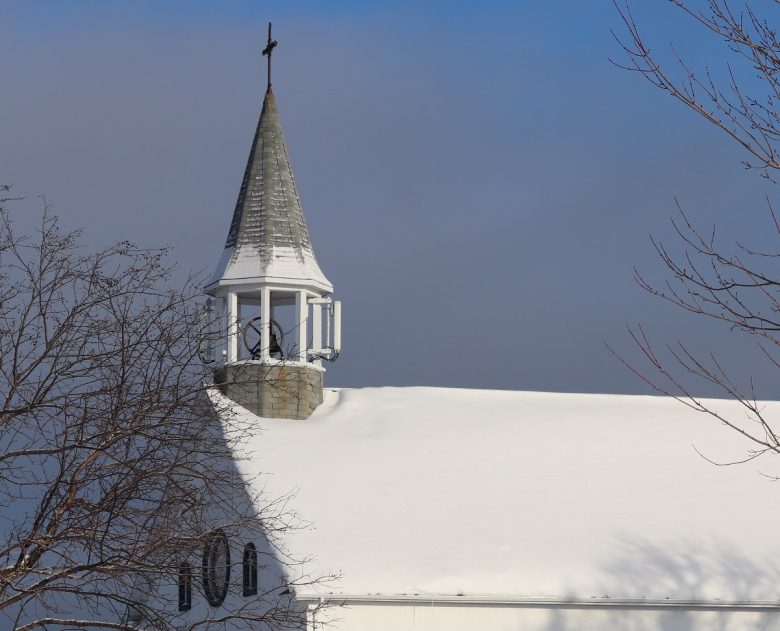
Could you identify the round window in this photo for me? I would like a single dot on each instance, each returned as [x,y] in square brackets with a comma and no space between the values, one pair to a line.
[216,568]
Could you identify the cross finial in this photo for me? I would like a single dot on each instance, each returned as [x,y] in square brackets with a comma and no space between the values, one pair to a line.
[269,48]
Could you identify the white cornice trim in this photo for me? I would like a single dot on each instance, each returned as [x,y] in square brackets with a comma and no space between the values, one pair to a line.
[551,603]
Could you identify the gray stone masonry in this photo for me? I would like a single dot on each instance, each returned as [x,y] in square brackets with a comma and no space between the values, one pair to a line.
[285,391]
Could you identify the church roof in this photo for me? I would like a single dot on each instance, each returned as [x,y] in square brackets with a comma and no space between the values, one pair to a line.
[469,493]
[268,240]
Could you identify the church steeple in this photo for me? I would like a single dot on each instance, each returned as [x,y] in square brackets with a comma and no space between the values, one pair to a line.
[268,262]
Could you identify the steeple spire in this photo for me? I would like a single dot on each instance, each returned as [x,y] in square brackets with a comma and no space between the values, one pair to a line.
[268,239]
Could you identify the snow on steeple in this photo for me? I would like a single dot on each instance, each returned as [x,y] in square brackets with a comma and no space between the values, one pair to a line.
[268,240]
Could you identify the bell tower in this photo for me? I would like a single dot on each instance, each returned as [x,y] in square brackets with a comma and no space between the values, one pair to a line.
[270,364]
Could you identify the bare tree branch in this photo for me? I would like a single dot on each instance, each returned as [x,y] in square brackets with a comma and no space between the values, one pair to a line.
[114,465]
[729,282]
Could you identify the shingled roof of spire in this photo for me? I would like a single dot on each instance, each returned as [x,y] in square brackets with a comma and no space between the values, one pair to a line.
[268,235]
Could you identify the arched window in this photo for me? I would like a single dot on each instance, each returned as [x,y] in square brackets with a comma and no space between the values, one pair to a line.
[250,570]
[185,586]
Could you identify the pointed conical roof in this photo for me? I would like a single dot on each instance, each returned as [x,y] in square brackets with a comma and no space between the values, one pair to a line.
[268,241]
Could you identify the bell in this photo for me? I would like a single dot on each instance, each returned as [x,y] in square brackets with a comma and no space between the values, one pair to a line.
[253,336]
[274,348]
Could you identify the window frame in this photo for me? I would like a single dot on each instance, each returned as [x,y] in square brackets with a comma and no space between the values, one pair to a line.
[250,569]
[215,593]
[185,586]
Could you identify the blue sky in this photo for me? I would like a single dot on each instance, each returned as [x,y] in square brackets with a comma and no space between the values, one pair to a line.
[479,181]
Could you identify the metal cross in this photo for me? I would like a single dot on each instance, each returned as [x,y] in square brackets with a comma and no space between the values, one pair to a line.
[269,48]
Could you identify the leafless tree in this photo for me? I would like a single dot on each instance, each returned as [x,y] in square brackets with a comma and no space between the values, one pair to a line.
[730,282]
[113,467]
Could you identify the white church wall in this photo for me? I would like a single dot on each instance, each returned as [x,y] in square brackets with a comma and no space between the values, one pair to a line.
[427,617]
[269,595]
[245,515]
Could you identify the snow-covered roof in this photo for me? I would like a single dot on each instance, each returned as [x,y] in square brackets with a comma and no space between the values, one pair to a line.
[479,493]
[268,240]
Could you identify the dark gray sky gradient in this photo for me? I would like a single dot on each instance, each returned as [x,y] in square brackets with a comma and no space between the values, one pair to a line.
[478,183]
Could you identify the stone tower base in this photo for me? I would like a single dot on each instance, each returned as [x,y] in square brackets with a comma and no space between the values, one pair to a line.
[275,391]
